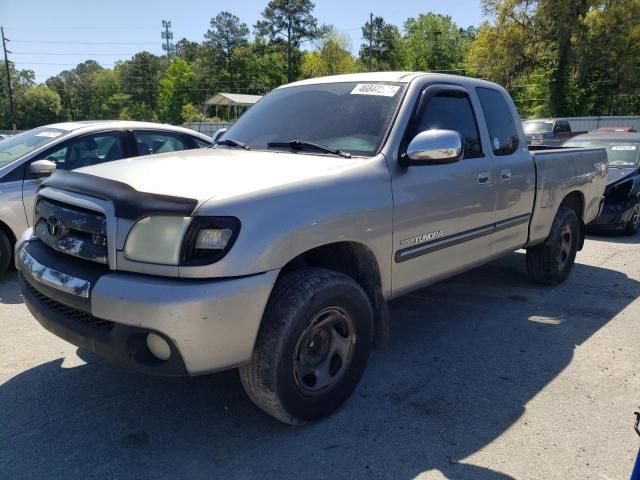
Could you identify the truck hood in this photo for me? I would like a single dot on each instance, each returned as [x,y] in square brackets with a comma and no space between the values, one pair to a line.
[218,172]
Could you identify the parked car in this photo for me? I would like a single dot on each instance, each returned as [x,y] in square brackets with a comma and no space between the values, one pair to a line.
[26,158]
[622,196]
[615,130]
[277,251]
[548,132]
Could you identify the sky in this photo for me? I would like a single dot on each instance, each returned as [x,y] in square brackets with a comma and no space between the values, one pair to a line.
[48,37]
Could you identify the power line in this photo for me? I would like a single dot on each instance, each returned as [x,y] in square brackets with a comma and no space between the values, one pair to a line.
[83,43]
[76,53]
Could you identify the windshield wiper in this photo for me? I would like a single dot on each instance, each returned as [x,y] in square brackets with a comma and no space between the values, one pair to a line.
[228,142]
[300,144]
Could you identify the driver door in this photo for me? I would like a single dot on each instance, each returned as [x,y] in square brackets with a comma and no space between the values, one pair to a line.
[443,213]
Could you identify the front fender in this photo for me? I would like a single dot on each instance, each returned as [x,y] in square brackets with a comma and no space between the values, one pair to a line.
[278,225]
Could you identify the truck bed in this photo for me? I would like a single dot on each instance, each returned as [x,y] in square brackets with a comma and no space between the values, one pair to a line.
[559,172]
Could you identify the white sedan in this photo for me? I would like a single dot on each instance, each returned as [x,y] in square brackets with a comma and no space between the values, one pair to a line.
[26,158]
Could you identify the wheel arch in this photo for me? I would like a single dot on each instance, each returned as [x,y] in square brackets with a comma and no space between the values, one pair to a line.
[576,202]
[357,261]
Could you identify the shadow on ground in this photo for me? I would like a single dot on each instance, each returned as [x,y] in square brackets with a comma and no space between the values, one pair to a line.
[9,289]
[615,237]
[466,356]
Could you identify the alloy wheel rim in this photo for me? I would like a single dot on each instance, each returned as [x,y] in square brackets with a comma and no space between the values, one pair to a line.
[324,350]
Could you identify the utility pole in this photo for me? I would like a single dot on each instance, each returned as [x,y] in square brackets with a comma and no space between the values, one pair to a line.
[167,35]
[370,38]
[6,64]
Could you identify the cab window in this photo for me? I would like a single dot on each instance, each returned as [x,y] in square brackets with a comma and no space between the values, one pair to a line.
[503,132]
[450,111]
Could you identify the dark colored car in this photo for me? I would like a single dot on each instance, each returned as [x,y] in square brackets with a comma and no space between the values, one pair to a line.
[548,132]
[621,210]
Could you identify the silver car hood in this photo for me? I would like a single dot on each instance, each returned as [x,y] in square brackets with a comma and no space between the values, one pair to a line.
[218,173]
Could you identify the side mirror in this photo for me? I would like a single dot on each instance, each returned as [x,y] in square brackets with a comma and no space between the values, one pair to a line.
[433,147]
[218,133]
[42,168]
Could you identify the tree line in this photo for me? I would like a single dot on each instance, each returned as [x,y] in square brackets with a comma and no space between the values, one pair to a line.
[556,57]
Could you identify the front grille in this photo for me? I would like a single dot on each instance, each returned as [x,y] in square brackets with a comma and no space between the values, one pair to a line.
[71,313]
[72,230]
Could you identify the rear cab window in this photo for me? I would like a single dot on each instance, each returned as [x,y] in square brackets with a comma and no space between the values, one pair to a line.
[503,132]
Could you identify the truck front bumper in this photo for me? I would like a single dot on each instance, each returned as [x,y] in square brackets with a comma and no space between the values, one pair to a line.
[209,325]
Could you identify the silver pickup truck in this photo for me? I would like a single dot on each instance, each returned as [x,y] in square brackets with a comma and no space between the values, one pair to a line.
[277,250]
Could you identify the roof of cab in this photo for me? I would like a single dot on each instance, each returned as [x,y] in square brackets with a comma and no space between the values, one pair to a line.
[399,77]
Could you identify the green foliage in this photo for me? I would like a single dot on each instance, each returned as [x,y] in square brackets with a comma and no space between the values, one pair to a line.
[176,90]
[382,43]
[556,57]
[227,33]
[37,106]
[190,113]
[332,57]
[140,77]
[290,21]
[138,111]
[562,57]
[434,42]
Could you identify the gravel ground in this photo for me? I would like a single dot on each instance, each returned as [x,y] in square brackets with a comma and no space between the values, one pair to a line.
[488,376]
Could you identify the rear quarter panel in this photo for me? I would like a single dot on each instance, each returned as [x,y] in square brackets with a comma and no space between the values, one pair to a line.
[559,173]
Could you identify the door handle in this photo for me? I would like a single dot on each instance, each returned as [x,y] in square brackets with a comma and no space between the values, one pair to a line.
[505,174]
[484,177]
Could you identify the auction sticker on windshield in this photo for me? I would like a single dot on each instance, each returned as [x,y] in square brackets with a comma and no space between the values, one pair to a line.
[378,89]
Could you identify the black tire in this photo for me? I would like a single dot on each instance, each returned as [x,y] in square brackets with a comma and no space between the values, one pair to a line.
[6,252]
[551,262]
[293,317]
[634,222]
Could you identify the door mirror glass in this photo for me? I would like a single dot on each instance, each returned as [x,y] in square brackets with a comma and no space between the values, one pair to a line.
[42,168]
[433,147]
[218,133]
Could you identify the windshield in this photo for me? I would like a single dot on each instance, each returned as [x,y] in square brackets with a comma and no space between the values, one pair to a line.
[18,146]
[537,127]
[621,154]
[352,117]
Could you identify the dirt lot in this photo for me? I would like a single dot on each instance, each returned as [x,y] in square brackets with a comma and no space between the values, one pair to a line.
[487,377]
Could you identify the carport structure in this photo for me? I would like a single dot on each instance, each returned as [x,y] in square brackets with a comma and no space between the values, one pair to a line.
[236,102]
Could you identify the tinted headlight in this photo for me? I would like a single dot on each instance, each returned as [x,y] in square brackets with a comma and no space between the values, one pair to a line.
[208,239]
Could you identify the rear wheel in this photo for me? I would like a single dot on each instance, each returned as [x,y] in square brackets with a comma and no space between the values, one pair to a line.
[5,252]
[551,262]
[313,346]
[634,221]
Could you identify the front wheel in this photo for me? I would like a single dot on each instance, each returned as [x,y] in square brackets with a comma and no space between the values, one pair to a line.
[634,221]
[551,262]
[312,348]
